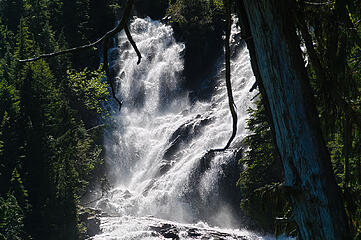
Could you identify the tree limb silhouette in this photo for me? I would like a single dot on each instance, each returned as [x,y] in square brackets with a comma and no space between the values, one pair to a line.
[104,40]
[129,36]
[227,6]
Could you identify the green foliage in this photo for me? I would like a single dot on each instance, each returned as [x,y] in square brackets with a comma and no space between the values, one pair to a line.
[195,13]
[9,101]
[49,148]
[75,156]
[262,196]
[334,31]
[336,41]
[18,189]
[218,4]
[10,12]
[4,39]
[89,88]
[24,44]
[11,219]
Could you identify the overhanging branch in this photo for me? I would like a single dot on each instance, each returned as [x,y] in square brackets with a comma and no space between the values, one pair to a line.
[104,40]
[54,54]
[122,24]
[227,6]
[129,36]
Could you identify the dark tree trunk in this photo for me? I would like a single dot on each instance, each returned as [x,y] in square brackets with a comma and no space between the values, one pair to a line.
[317,203]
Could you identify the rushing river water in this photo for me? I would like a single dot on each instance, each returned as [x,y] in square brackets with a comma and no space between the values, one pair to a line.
[166,185]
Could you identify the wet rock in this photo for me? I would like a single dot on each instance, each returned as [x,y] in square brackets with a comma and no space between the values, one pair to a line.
[193,233]
[184,134]
[206,160]
[90,220]
[127,194]
[175,231]
[222,200]
[114,54]
[164,167]
[93,225]
[237,44]
[166,230]
[148,187]
[155,228]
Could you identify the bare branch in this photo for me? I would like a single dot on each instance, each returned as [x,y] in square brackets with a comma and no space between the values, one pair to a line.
[54,54]
[105,41]
[122,24]
[318,3]
[95,127]
[258,94]
[231,104]
[129,36]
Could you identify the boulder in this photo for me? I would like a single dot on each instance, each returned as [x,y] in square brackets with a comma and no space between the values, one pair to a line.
[90,219]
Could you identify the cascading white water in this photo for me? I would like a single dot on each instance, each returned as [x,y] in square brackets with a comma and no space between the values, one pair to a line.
[157,149]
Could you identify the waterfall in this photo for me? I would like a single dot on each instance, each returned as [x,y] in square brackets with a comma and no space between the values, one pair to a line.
[157,148]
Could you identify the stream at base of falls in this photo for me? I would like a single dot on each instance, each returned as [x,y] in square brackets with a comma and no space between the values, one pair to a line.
[151,228]
[165,182]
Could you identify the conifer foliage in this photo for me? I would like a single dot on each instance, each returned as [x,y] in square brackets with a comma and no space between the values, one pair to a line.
[47,152]
[329,32]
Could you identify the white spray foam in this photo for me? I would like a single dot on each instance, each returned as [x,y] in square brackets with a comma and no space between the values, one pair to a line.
[154,109]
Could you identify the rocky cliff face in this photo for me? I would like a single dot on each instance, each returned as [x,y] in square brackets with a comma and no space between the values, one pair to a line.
[203,51]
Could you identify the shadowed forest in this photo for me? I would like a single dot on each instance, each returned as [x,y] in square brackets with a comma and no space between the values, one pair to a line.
[299,162]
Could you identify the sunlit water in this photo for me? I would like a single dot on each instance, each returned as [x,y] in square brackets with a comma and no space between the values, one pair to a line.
[155,148]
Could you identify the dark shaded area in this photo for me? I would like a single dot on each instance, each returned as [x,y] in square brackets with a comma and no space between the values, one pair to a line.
[155,9]
[204,47]
[309,177]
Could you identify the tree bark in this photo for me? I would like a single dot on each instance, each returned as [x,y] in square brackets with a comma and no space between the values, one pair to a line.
[317,203]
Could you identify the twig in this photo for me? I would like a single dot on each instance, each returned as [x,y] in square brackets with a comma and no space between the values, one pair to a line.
[227,6]
[318,3]
[95,127]
[54,54]
[258,94]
